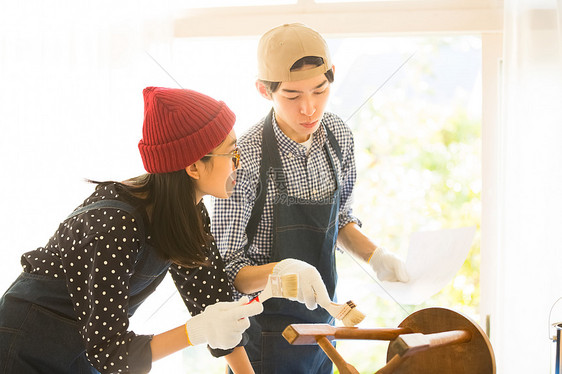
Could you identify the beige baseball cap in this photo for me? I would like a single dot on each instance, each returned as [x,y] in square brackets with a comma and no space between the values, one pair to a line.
[282,46]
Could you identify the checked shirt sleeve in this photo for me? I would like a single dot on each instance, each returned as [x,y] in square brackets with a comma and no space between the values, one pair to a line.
[348,171]
[230,216]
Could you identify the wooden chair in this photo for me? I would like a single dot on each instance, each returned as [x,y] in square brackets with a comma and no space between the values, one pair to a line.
[429,341]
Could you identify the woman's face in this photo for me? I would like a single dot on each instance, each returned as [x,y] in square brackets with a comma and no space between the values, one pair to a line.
[216,175]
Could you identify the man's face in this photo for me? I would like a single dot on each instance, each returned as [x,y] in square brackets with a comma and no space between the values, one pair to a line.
[299,106]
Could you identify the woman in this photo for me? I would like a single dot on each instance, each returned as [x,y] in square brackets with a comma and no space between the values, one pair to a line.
[68,311]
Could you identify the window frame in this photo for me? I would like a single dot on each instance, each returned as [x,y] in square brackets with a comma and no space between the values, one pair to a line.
[385,18]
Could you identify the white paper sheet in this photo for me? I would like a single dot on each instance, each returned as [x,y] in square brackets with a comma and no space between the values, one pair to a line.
[434,258]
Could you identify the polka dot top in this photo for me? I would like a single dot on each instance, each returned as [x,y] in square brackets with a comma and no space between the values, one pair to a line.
[96,252]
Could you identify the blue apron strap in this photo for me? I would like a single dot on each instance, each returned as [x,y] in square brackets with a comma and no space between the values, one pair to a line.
[275,162]
[334,143]
[115,204]
[261,193]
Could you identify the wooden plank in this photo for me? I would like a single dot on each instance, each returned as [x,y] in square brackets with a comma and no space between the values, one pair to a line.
[307,334]
[346,19]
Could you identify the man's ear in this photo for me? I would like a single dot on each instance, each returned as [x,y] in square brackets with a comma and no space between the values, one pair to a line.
[192,171]
[262,90]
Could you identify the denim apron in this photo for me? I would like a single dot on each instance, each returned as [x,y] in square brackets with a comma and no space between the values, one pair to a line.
[39,332]
[305,230]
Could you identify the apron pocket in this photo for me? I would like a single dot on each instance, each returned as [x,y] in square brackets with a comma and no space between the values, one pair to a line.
[278,356]
[48,342]
[273,355]
[7,337]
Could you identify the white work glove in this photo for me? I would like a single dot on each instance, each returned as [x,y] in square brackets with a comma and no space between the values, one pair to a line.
[221,325]
[312,289]
[388,266]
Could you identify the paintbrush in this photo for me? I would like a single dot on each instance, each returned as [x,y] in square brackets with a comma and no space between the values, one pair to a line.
[285,286]
[347,313]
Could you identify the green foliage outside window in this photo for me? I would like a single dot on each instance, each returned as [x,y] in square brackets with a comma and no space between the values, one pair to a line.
[419,168]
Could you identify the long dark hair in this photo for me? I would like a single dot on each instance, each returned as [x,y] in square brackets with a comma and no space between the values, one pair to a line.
[175,219]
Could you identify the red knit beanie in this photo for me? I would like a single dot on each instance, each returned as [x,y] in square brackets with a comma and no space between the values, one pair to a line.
[180,127]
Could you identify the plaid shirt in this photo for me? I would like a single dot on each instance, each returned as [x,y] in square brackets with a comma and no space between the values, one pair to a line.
[307,176]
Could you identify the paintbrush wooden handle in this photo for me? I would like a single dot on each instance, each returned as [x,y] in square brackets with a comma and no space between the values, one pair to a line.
[268,291]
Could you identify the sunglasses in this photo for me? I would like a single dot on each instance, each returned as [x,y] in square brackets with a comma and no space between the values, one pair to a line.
[234,154]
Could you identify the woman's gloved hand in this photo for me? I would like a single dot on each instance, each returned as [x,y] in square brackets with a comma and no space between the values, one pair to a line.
[388,266]
[221,325]
[312,289]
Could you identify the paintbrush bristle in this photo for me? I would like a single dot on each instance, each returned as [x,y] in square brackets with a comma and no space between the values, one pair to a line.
[290,285]
[353,317]
[338,311]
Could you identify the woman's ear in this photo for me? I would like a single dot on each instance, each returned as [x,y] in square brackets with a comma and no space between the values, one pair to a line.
[192,171]
[262,90]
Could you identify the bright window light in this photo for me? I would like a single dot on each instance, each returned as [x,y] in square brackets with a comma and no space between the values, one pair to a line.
[235,3]
[417,140]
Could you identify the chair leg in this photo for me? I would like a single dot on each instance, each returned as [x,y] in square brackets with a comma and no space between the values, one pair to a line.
[336,358]
[392,365]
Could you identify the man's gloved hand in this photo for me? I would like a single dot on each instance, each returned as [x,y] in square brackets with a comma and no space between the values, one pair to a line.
[312,289]
[221,325]
[388,266]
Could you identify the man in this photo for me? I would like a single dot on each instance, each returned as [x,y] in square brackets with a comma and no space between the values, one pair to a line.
[292,200]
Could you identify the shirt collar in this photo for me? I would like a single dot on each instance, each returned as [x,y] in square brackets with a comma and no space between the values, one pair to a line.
[288,146]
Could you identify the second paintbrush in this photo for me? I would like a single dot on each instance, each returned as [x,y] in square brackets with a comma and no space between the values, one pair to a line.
[285,286]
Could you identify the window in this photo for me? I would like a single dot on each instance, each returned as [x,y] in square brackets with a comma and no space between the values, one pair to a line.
[424,120]
[418,162]
[194,4]
[417,150]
